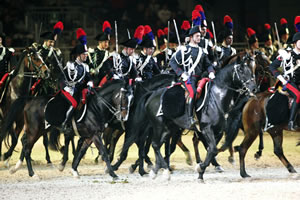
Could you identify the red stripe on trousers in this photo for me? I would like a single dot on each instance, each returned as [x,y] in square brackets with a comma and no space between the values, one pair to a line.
[190,89]
[70,98]
[295,91]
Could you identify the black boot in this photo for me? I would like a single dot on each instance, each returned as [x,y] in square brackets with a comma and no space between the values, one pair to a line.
[190,105]
[69,115]
[293,114]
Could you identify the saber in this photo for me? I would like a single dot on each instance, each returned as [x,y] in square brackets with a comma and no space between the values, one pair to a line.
[214,32]
[177,34]
[128,34]
[277,35]
[116,32]
[167,50]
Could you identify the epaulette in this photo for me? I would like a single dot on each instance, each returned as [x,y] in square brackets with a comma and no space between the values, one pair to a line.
[11,50]
[284,54]
[90,50]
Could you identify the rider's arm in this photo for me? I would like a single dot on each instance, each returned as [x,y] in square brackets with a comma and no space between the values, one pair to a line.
[275,65]
[175,63]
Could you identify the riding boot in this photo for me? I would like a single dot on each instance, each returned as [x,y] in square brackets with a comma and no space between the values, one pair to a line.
[190,105]
[69,115]
[293,115]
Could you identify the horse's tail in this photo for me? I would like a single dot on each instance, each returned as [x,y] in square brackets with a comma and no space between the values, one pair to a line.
[54,140]
[16,109]
[140,122]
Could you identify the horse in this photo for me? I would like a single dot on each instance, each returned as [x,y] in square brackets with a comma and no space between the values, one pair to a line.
[264,80]
[99,112]
[254,119]
[30,66]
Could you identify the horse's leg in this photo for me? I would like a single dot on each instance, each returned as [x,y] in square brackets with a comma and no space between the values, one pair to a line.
[99,144]
[195,144]
[46,142]
[80,152]
[14,141]
[73,145]
[107,138]
[211,150]
[147,148]
[68,138]
[112,146]
[278,151]
[250,136]
[258,154]
[185,150]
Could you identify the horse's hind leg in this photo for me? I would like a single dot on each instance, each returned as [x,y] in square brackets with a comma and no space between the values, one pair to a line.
[195,144]
[278,151]
[99,144]
[258,154]
[112,147]
[14,141]
[68,138]
[186,151]
[46,142]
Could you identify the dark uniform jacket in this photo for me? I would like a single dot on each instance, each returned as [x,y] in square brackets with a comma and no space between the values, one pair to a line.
[99,56]
[8,60]
[290,63]
[147,67]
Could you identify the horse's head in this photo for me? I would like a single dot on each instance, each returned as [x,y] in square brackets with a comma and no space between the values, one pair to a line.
[123,99]
[35,63]
[243,75]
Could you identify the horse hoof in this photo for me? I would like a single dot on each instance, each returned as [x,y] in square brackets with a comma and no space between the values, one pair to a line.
[152,174]
[219,169]
[150,167]
[61,167]
[198,168]
[245,175]
[131,170]
[12,170]
[188,160]
[231,160]
[106,171]
[36,177]
[292,170]
[166,174]
[75,173]
[6,163]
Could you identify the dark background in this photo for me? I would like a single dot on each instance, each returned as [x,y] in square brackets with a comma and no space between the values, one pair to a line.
[22,20]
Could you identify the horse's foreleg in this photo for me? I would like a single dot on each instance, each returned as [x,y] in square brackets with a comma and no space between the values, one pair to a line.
[14,141]
[195,144]
[112,146]
[68,138]
[99,144]
[278,151]
[147,148]
[80,152]
[28,141]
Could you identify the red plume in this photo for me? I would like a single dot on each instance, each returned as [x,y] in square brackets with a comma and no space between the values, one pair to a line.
[160,33]
[139,32]
[227,18]
[267,26]
[195,14]
[250,32]
[185,25]
[58,27]
[147,29]
[283,21]
[80,32]
[106,25]
[166,30]
[199,8]
[297,20]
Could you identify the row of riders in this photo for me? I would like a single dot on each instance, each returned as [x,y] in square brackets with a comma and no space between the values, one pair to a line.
[215,81]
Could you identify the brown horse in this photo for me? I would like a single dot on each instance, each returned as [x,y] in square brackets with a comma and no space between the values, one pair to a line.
[30,67]
[254,119]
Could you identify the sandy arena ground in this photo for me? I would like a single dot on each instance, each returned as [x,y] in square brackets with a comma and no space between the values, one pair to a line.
[270,180]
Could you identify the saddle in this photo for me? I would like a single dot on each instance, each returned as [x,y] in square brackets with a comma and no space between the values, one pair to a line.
[57,107]
[173,99]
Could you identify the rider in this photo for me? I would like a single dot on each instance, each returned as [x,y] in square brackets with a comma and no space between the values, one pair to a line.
[100,54]
[191,70]
[147,65]
[76,76]
[253,41]
[269,49]
[284,33]
[7,60]
[227,39]
[290,63]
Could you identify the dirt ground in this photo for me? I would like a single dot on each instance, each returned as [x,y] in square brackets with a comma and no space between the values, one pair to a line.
[270,179]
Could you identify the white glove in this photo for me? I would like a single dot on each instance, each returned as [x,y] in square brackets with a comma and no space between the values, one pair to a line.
[218,49]
[138,79]
[90,83]
[211,75]
[184,76]
[116,77]
[282,79]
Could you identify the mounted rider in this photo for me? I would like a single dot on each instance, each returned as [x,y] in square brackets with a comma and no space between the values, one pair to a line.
[76,82]
[269,49]
[190,64]
[8,61]
[284,33]
[147,65]
[50,55]
[290,79]
[100,54]
[226,36]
